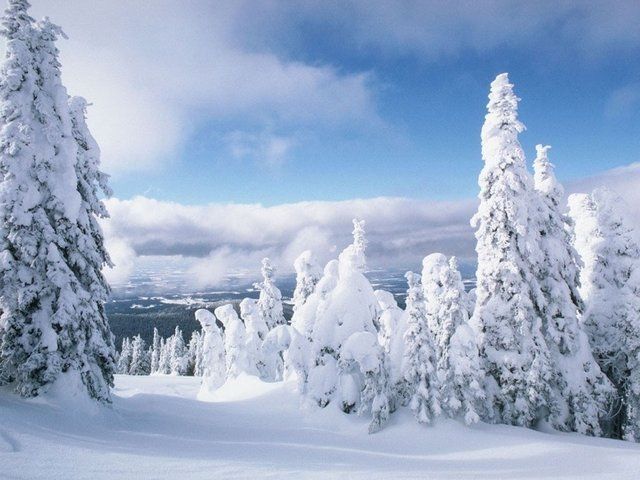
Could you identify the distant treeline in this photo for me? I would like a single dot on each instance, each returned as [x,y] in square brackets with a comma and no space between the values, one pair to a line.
[166,318]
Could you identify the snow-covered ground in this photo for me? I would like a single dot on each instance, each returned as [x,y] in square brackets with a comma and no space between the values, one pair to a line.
[158,429]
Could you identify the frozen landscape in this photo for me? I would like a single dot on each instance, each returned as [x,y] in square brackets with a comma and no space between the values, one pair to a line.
[305,263]
[157,429]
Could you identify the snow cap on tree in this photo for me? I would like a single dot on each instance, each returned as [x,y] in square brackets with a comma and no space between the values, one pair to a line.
[353,257]
[544,175]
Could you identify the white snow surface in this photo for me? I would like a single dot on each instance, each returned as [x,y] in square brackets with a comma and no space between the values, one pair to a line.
[157,429]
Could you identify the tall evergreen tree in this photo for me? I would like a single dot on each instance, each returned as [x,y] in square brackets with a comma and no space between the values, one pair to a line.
[164,361]
[235,343]
[155,352]
[458,364]
[178,358]
[214,365]
[270,300]
[308,273]
[139,357]
[52,293]
[610,286]
[420,356]
[124,359]
[580,390]
[512,346]
[346,304]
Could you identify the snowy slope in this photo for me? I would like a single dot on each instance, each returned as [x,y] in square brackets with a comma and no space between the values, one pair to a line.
[157,429]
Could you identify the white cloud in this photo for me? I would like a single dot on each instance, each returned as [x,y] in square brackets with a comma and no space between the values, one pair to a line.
[264,148]
[218,240]
[155,70]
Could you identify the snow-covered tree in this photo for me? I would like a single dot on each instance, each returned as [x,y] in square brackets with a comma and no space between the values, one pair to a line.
[420,356]
[235,343]
[214,366]
[52,292]
[164,361]
[349,307]
[304,318]
[458,364]
[362,356]
[513,350]
[256,332]
[272,352]
[389,318]
[178,358]
[610,287]
[580,389]
[139,358]
[90,253]
[308,273]
[270,300]
[194,350]
[124,359]
[471,301]
[155,351]
[297,359]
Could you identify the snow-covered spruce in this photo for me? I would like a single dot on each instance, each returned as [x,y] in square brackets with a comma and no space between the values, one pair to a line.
[273,351]
[235,343]
[363,358]
[390,315]
[308,272]
[155,352]
[458,364]
[270,300]
[178,359]
[140,364]
[256,331]
[124,359]
[349,307]
[52,292]
[581,391]
[420,356]
[391,326]
[214,370]
[304,317]
[194,353]
[513,350]
[610,287]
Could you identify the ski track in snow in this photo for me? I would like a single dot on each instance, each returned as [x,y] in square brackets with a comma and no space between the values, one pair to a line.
[157,429]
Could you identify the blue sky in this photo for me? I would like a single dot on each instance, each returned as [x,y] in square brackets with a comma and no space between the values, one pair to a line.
[425,109]
[214,117]
[420,71]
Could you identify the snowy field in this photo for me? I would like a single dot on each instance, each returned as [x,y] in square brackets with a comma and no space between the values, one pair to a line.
[158,429]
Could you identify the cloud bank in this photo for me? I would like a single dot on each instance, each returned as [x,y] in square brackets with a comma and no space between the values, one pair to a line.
[220,239]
